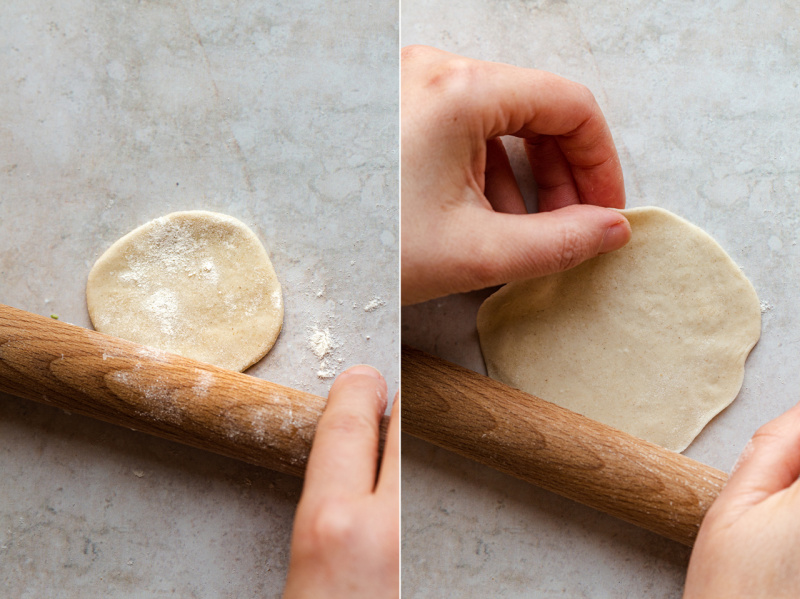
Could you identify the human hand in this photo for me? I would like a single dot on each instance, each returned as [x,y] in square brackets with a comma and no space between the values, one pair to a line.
[347,529]
[464,223]
[750,538]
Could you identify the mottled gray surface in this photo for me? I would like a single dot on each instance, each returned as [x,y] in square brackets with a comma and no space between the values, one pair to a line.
[702,99]
[282,114]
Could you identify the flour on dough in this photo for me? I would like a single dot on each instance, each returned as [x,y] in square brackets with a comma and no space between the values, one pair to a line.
[198,284]
[651,339]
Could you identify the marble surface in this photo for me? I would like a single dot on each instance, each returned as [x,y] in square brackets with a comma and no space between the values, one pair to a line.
[702,102]
[282,114]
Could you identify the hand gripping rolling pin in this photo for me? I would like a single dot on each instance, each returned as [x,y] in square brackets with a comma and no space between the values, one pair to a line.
[555,448]
[158,393]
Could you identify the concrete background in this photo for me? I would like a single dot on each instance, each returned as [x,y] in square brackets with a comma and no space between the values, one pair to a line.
[702,100]
[282,114]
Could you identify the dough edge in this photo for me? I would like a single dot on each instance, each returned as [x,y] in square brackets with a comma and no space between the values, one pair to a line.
[99,267]
[735,379]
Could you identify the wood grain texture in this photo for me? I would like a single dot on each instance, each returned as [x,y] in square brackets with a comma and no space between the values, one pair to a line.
[552,447]
[158,393]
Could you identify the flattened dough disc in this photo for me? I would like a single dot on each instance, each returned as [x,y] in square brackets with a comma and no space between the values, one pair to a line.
[198,284]
[650,339]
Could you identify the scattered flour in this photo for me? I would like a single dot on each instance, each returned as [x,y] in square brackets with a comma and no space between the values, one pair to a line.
[765,305]
[204,382]
[163,305]
[209,271]
[153,353]
[322,345]
[320,342]
[153,400]
[374,304]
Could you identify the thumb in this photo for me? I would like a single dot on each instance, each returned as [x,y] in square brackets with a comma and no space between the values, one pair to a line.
[511,247]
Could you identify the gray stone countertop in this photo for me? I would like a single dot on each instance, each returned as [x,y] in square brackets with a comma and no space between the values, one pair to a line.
[704,105]
[281,114]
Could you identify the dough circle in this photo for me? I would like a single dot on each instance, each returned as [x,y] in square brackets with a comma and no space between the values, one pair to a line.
[650,339]
[196,283]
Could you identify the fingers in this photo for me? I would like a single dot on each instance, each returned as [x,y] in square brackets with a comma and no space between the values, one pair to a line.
[485,100]
[389,479]
[769,463]
[344,455]
[501,187]
[530,103]
[555,185]
[512,247]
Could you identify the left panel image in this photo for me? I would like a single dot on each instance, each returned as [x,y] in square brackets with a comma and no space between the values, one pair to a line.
[199,299]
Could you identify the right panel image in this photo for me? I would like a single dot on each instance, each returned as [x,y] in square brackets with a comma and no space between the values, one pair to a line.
[599,226]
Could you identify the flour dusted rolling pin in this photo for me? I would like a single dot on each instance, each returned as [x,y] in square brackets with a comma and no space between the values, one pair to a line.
[554,448]
[162,394]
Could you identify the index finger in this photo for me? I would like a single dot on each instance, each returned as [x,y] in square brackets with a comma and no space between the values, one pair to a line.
[499,99]
[344,454]
[529,103]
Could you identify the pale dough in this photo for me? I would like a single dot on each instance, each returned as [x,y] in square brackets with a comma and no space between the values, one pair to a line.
[650,339]
[198,284]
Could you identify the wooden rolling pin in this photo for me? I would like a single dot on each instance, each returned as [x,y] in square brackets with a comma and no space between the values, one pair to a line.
[554,448]
[162,394]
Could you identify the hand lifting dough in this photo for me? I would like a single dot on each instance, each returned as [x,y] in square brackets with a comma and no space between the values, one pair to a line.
[650,339]
[198,284]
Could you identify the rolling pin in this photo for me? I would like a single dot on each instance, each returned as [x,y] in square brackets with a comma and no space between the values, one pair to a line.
[555,448]
[158,393]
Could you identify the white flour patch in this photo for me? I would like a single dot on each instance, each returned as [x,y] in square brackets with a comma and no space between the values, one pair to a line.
[255,424]
[765,305]
[160,405]
[322,344]
[163,306]
[154,400]
[204,382]
[260,425]
[288,425]
[152,353]
[276,298]
[374,304]
[122,376]
[209,272]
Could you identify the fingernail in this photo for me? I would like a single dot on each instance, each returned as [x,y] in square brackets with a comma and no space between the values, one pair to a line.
[615,237]
[363,369]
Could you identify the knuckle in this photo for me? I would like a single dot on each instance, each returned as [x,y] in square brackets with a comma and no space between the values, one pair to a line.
[570,249]
[482,273]
[333,525]
[766,433]
[589,108]
[352,424]
[583,94]
[452,77]
[480,266]
[443,83]
[414,51]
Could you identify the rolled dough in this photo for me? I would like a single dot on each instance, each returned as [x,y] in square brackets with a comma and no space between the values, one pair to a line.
[198,284]
[651,339]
